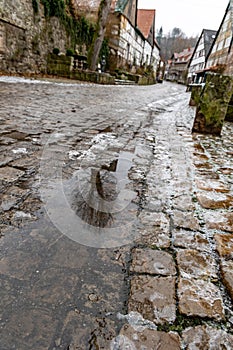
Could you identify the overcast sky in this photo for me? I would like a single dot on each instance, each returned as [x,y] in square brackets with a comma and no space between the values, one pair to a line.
[191,16]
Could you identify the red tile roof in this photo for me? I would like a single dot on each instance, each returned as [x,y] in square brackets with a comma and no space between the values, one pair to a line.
[145,21]
[183,56]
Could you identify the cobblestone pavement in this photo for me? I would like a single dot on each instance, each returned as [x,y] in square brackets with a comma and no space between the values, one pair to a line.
[148,264]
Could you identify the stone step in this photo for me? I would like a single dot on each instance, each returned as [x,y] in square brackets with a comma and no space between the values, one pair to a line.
[124,82]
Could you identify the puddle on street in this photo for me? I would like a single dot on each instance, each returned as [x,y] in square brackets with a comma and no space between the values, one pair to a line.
[56,291]
[96,206]
[96,194]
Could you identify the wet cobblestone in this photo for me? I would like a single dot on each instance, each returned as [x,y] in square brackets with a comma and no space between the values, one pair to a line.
[172,266]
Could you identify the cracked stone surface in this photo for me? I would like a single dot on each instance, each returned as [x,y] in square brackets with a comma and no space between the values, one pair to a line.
[9,174]
[152,262]
[129,338]
[212,200]
[153,297]
[191,240]
[224,245]
[200,298]
[205,337]
[196,264]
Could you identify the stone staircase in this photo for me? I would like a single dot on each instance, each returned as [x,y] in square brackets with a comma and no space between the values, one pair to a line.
[124,82]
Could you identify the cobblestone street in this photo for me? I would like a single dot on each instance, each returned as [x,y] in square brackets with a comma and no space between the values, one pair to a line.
[116,222]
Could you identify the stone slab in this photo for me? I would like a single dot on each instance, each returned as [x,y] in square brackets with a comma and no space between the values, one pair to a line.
[189,239]
[219,221]
[151,237]
[224,245]
[206,338]
[212,185]
[196,264]
[185,220]
[152,262]
[214,200]
[159,221]
[200,298]
[183,202]
[154,298]
[147,339]
[10,174]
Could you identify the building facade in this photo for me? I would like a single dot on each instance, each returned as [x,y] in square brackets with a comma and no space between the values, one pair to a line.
[198,60]
[220,55]
[178,67]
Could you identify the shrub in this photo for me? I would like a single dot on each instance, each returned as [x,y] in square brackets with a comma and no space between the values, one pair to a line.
[56,51]
[35,6]
[69,52]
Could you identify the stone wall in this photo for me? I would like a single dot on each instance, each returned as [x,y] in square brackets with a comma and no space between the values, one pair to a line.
[26,38]
[213,104]
[63,66]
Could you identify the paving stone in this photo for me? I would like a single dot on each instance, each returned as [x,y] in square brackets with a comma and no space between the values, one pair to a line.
[226,170]
[155,230]
[224,245]
[214,200]
[205,173]
[152,262]
[189,239]
[206,338]
[200,298]
[227,275]
[159,221]
[15,196]
[183,202]
[10,174]
[219,221]
[196,264]
[148,339]
[151,237]
[211,185]
[185,220]
[27,162]
[154,298]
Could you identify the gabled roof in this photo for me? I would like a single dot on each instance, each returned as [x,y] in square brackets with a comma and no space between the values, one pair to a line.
[145,20]
[228,9]
[209,37]
[184,56]
[120,5]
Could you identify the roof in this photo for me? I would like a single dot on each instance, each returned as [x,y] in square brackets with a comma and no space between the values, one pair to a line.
[145,20]
[120,5]
[209,36]
[184,56]
[229,9]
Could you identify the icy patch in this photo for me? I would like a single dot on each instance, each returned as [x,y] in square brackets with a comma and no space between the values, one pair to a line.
[74,154]
[20,80]
[136,320]
[20,151]
[22,215]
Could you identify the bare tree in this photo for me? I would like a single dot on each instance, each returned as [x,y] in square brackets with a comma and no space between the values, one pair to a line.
[175,41]
[104,9]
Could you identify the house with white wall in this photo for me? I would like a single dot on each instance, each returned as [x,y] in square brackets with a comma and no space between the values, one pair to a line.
[219,58]
[130,33]
[146,24]
[198,60]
